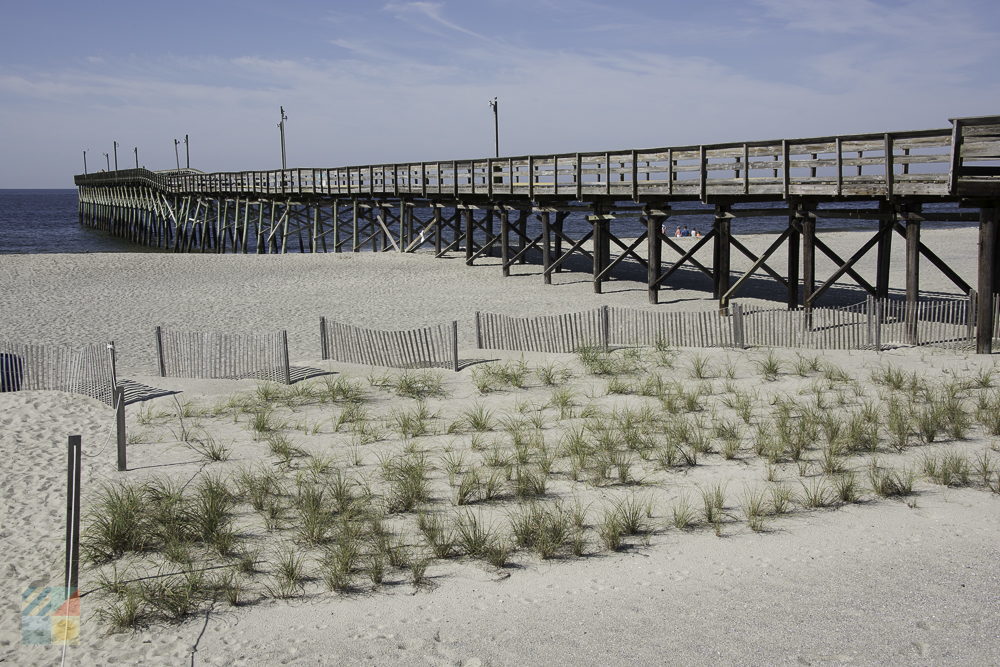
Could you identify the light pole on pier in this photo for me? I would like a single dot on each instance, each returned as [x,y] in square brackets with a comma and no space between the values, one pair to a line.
[108,160]
[281,129]
[116,155]
[84,163]
[176,154]
[136,150]
[496,125]
[187,152]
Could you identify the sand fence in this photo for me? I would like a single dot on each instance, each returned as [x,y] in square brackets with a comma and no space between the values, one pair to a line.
[873,324]
[424,347]
[217,354]
[88,370]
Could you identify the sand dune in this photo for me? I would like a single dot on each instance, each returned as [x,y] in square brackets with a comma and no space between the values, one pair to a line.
[886,580]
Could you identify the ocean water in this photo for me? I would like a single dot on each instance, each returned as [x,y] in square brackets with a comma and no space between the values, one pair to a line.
[42,221]
[45,221]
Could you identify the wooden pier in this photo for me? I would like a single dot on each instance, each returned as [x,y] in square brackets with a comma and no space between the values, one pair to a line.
[515,207]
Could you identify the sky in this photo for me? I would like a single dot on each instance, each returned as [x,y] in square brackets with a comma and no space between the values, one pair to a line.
[375,81]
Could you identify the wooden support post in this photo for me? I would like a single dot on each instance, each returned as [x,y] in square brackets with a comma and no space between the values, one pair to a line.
[522,237]
[488,224]
[912,273]
[722,248]
[654,253]
[354,226]
[437,231]
[505,242]
[72,570]
[469,235]
[793,254]
[988,260]
[119,401]
[808,223]
[558,253]
[454,345]
[546,247]
[602,246]
[884,257]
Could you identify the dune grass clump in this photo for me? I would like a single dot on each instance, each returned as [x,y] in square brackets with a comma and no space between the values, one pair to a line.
[950,469]
[341,390]
[412,423]
[888,482]
[598,361]
[542,527]
[551,375]
[755,509]
[415,384]
[409,485]
[770,367]
[206,446]
[116,523]
[495,377]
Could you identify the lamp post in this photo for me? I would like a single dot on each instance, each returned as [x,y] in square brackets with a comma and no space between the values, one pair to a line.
[496,125]
[116,155]
[108,160]
[281,129]
[177,156]
[187,152]
[84,163]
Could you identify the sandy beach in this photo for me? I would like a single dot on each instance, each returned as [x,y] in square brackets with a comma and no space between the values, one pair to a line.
[910,578]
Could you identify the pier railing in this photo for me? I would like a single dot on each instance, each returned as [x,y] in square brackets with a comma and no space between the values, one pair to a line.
[963,159]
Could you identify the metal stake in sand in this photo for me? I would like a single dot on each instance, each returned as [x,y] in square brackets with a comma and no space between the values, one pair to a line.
[120,420]
[72,569]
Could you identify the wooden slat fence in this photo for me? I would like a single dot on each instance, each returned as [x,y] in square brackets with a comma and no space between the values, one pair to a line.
[629,326]
[947,323]
[869,325]
[215,354]
[848,328]
[88,370]
[425,347]
[552,333]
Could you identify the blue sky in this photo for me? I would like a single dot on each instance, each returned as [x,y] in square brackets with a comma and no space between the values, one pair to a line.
[392,81]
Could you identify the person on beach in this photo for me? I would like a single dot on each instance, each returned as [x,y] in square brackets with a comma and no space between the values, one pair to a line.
[685,232]
[677,234]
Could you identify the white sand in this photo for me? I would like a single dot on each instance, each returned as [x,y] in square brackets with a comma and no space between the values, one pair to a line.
[880,582]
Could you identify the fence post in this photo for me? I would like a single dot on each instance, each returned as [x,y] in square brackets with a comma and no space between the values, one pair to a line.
[454,344]
[479,333]
[970,315]
[284,347]
[119,403]
[159,352]
[739,338]
[114,369]
[879,304]
[869,316]
[73,516]
[605,327]
[324,344]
